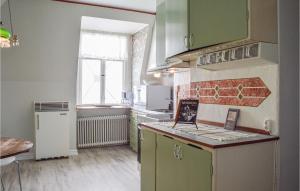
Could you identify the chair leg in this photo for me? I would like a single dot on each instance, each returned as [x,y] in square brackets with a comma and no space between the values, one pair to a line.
[2,184]
[19,174]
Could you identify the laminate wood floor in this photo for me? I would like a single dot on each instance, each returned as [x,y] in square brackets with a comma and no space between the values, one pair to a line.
[98,169]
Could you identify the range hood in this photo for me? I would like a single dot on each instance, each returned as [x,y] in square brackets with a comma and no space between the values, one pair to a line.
[254,54]
[171,64]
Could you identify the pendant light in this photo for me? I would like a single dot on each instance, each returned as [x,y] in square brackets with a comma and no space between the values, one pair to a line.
[4,37]
[8,39]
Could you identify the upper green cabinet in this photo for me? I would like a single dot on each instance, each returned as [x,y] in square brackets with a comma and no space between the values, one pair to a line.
[194,24]
[216,21]
[176,27]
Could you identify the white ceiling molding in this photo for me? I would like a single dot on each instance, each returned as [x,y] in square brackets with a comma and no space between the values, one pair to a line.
[110,25]
[138,5]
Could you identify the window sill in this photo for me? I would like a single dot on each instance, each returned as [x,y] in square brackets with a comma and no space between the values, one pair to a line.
[108,106]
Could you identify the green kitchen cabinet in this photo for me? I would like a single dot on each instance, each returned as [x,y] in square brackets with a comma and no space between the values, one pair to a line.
[198,24]
[133,131]
[198,168]
[217,21]
[160,33]
[176,27]
[182,167]
[148,159]
[193,24]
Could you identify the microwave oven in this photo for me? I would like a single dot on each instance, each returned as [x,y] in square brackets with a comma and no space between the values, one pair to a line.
[152,97]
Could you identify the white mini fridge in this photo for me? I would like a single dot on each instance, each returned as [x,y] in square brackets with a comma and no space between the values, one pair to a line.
[51,129]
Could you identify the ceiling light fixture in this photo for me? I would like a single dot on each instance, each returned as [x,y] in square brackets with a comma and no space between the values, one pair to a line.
[8,39]
[157,75]
[4,38]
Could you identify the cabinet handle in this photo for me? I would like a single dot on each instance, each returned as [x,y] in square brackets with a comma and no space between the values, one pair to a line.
[191,37]
[142,137]
[38,122]
[180,155]
[186,41]
[175,151]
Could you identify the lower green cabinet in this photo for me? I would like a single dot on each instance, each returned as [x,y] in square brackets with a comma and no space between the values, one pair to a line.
[133,132]
[198,168]
[169,169]
[182,167]
[148,160]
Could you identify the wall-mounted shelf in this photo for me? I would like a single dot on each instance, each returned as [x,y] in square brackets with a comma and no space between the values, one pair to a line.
[255,54]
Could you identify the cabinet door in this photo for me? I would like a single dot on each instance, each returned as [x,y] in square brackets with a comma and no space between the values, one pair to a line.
[160,34]
[217,21]
[51,134]
[133,132]
[148,158]
[169,169]
[198,168]
[176,27]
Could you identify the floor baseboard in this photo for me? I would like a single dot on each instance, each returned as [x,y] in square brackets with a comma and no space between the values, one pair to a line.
[31,155]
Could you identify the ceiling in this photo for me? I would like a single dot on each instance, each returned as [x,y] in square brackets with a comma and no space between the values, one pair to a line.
[109,25]
[140,5]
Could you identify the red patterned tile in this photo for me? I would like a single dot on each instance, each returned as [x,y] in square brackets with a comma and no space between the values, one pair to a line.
[207,84]
[256,92]
[228,92]
[245,82]
[207,92]
[239,92]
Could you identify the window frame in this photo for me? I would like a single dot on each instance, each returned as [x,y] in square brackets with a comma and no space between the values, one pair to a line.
[102,79]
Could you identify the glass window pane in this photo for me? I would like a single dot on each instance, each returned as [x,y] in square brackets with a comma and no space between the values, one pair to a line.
[103,46]
[113,81]
[90,86]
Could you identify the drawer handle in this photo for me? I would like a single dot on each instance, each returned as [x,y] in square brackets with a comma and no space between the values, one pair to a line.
[191,38]
[186,41]
[38,122]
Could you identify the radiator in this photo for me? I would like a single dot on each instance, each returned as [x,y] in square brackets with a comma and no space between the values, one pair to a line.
[102,130]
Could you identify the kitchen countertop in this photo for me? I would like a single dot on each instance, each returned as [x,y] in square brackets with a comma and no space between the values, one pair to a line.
[202,139]
[143,110]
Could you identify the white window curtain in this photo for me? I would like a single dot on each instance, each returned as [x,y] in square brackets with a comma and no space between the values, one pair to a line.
[100,45]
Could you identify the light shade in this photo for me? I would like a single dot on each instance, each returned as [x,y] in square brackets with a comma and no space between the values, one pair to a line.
[5,33]
[4,38]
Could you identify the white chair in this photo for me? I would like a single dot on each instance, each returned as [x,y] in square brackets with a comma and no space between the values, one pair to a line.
[7,161]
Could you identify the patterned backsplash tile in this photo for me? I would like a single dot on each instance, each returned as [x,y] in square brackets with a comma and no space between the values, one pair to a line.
[238,92]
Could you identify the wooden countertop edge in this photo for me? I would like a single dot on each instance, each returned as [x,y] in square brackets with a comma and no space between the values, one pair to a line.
[14,154]
[213,146]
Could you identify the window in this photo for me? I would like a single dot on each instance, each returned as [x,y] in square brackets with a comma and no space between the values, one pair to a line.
[102,62]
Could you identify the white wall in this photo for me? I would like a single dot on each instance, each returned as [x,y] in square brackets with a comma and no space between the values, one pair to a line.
[44,66]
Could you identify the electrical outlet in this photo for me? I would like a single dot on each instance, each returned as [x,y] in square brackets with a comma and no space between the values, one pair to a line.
[268,125]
